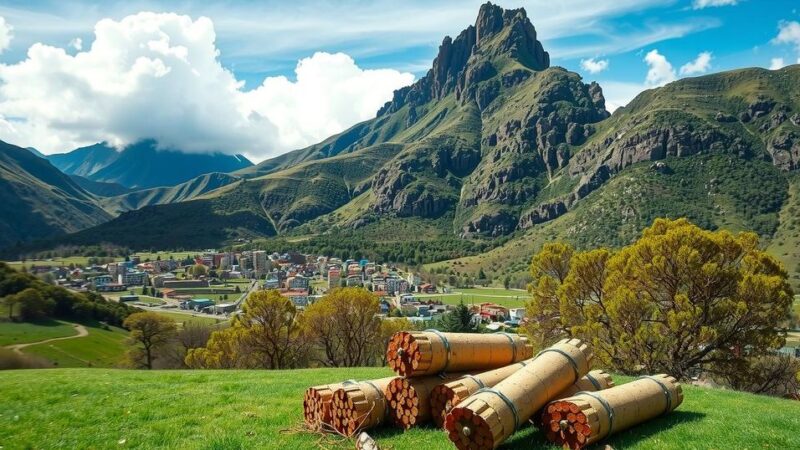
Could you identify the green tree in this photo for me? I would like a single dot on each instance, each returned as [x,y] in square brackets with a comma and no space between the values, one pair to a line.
[459,320]
[33,305]
[149,333]
[198,270]
[10,301]
[266,335]
[344,323]
[679,300]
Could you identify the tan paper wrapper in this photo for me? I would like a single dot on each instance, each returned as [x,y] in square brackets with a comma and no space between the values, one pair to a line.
[586,418]
[488,417]
[413,354]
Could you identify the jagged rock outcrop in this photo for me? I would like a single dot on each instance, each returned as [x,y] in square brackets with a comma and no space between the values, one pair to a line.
[785,150]
[458,66]
[597,164]
[542,213]
[493,224]
[525,152]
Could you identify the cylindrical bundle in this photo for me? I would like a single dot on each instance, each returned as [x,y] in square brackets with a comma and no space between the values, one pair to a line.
[447,395]
[587,417]
[488,417]
[359,406]
[409,398]
[317,404]
[596,380]
[413,354]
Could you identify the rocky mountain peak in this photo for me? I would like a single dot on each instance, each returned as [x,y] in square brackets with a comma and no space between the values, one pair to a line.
[454,57]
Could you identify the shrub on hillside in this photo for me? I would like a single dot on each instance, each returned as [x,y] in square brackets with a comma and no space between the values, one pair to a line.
[680,300]
[776,375]
[10,360]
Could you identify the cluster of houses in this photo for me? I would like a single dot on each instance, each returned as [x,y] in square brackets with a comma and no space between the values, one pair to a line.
[303,279]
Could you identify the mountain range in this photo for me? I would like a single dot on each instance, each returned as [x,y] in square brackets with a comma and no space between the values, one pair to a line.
[496,145]
[143,164]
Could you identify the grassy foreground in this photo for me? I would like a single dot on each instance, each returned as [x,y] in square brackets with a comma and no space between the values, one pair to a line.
[104,408]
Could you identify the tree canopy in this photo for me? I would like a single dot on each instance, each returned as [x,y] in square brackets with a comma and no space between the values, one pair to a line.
[679,300]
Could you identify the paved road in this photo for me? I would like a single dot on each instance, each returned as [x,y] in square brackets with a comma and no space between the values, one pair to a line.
[82,332]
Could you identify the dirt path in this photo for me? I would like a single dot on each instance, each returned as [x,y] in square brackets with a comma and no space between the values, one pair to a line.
[82,332]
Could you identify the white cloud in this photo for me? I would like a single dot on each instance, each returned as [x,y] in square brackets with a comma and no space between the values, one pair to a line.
[701,64]
[789,33]
[777,63]
[257,36]
[159,76]
[700,4]
[619,94]
[330,94]
[661,71]
[77,44]
[593,65]
[5,34]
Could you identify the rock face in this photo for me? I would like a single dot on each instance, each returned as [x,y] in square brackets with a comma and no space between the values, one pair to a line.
[542,213]
[493,224]
[523,140]
[456,69]
[520,145]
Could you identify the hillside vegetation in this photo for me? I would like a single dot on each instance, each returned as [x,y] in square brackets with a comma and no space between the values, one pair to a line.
[263,409]
[38,200]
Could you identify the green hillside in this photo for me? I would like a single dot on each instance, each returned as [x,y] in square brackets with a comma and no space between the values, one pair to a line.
[129,201]
[38,200]
[104,408]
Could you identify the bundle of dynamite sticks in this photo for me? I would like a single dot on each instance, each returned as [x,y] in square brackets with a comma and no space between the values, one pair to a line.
[482,388]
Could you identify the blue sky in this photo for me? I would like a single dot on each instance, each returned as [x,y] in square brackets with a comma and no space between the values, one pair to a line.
[263,39]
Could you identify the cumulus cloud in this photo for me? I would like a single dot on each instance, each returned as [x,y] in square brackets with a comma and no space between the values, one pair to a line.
[154,75]
[788,33]
[661,71]
[593,65]
[700,4]
[77,44]
[5,34]
[777,63]
[331,93]
[701,64]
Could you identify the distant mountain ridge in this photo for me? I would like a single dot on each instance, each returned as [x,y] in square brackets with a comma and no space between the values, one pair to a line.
[38,200]
[143,165]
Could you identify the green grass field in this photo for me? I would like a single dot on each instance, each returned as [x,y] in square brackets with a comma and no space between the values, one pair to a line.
[23,332]
[510,298]
[103,408]
[190,318]
[500,292]
[455,299]
[80,261]
[101,348]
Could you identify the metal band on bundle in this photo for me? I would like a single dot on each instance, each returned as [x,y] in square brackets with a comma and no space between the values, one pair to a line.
[513,345]
[606,406]
[666,393]
[594,382]
[446,347]
[505,400]
[565,355]
[476,380]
